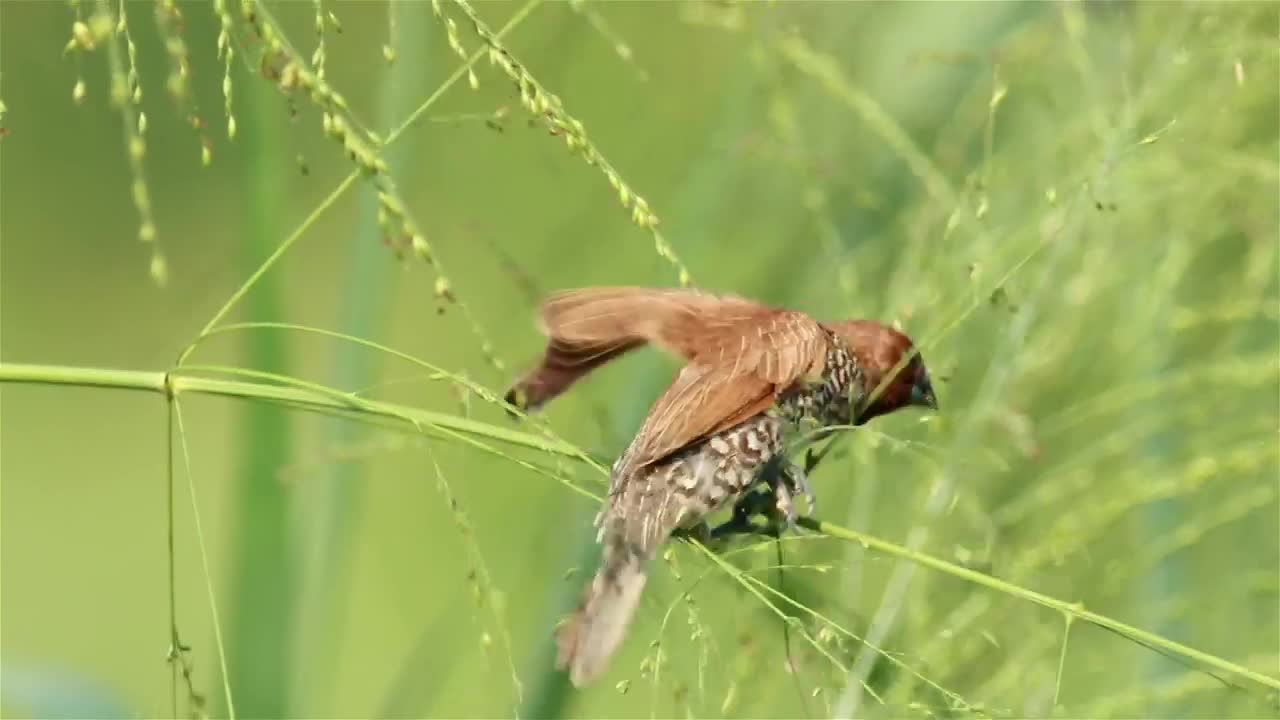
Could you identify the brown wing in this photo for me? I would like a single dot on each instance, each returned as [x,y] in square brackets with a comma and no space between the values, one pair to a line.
[664,317]
[589,327]
[564,364]
[737,372]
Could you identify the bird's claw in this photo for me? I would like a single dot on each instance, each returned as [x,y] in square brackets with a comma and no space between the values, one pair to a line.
[701,533]
[755,502]
[797,478]
[776,502]
[784,505]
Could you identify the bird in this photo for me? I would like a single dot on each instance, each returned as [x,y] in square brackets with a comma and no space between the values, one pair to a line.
[753,374]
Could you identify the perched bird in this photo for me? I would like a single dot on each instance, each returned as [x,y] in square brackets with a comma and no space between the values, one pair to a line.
[752,374]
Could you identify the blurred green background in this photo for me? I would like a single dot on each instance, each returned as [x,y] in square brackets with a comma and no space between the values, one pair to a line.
[1071,207]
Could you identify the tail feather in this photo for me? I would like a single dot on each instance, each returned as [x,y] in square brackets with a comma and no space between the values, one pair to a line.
[586,641]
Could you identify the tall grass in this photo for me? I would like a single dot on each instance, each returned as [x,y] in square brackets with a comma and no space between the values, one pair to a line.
[1072,207]
[363,305]
[264,585]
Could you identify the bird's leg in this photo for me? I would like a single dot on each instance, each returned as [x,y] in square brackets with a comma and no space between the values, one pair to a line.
[783,480]
[794,480]
[757,501]
[784,510]
[797,477]
[788,480]
[701,532]
[775,501]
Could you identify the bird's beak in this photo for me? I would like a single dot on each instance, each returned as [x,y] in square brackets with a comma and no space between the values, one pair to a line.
[922,394]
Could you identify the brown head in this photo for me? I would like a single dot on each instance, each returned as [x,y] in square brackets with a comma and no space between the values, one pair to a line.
[881,350]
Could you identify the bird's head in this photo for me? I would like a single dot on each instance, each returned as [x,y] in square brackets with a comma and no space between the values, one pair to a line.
[881,351]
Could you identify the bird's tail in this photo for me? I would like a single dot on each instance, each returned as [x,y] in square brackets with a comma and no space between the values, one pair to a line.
[588,638]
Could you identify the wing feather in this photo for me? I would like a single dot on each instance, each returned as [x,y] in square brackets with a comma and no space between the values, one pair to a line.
[700,400]
[716,391]
[740,356]
[590,327]
[668,318]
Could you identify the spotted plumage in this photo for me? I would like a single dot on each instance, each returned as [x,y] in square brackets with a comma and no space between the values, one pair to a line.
[754,374]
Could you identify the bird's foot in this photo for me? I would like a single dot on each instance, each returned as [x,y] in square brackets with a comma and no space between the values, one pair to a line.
[758,501]
[783,512]
[775,501]
[796,479]
[776,505]
[787,480]
[701,533]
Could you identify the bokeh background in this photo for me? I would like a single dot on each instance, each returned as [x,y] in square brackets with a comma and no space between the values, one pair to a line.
[1072,207]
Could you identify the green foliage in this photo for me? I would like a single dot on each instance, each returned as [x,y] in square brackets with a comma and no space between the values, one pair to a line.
[1071,207]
